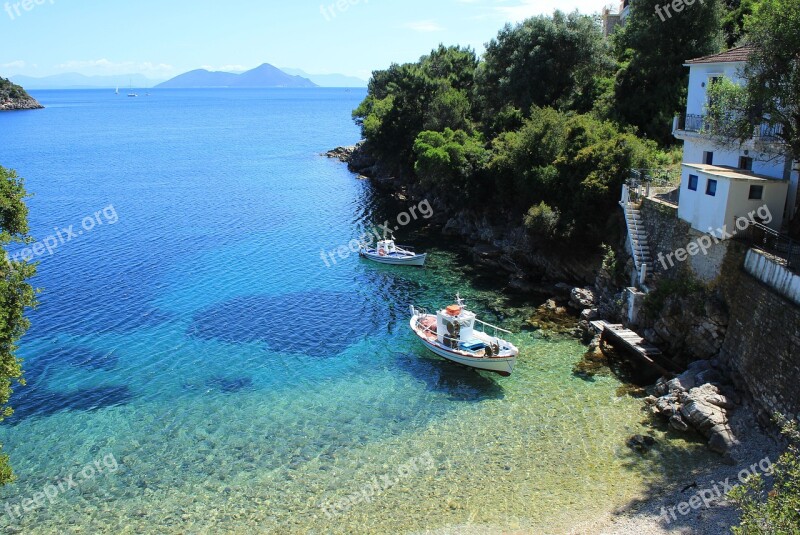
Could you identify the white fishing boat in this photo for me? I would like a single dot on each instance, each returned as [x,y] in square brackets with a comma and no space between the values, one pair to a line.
[458,335]
[388,252]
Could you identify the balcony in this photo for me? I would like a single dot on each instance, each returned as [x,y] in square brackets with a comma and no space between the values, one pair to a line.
[695,124]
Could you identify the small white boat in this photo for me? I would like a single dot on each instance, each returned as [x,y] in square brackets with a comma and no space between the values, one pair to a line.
[387,252]
[458,335]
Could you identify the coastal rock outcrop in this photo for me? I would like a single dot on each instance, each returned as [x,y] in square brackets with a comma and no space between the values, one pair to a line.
[28,103]
[698,399]
[13,97]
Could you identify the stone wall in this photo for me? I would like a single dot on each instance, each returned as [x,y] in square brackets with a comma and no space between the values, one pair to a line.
[666,234]
[758,330]
[763,343]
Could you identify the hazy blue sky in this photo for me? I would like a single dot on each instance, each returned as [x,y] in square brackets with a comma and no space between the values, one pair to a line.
[168,37]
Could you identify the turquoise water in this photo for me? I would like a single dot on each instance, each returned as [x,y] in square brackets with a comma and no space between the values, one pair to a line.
[192,342]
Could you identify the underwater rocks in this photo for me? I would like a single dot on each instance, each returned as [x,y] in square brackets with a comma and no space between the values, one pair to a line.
[556,319]
[230,386]
[698,399]
[641,443]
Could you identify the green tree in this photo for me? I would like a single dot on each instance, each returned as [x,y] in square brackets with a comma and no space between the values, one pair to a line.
[651,85]
[404,100]
[451,162]
[734,19]
[544,61]
[769,97]
[770,94]
[16,295]
[777,511]
[574,164]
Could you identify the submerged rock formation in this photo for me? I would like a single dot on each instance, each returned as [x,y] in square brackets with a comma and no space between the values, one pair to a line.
[698,399]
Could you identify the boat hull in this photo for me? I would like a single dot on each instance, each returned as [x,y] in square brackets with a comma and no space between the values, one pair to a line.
[502,365]
[416,260]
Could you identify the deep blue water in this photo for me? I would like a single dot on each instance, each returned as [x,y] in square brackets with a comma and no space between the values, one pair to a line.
[190,328]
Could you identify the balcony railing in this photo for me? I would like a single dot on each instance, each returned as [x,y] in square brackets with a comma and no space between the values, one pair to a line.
[689,122]
[778,245]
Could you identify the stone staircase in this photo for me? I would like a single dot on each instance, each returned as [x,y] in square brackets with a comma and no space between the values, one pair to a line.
[637,238]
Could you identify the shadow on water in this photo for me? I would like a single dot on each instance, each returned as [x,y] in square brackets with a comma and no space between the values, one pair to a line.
[78,357]
[36,399]
[229,385]
[33,402]
[315,323]
[459,383]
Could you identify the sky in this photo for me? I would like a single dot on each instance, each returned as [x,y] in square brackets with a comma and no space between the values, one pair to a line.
[162,39]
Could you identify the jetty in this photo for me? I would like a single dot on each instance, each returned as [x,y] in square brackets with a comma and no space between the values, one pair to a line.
[636,346]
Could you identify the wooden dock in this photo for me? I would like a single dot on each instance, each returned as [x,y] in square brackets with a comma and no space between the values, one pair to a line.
[633,344]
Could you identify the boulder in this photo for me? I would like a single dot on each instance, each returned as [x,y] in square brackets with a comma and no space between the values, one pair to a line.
[582,298]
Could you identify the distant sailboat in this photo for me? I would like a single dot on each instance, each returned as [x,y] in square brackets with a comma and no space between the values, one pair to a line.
[117,91]
[132,94]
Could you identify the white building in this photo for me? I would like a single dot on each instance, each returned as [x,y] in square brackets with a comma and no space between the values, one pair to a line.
[720,184]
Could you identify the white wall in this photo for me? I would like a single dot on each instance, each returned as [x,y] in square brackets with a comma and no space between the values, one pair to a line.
[699,75]
[702,211]
[773,275]
[693,153]
[739,205]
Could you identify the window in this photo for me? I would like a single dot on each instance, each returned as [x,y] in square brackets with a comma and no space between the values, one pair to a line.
[711,188]
[756,193]
[746,163]
[693,180]
[708,158]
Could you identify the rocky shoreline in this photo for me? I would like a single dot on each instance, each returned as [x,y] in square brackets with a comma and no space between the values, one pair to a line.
[502,246]
[28,103]
[699,400]
[702,401]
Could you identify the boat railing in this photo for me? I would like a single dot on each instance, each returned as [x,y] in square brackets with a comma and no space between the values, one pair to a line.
[495,328]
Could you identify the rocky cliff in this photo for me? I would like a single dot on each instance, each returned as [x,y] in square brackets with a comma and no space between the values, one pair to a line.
[532,265]
[13,97]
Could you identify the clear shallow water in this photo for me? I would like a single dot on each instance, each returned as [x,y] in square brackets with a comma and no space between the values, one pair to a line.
[240,384]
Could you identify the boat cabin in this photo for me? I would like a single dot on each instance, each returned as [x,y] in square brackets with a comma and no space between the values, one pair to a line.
[386,247]
[455,328]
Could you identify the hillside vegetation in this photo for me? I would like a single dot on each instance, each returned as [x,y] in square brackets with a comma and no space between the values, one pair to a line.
[545,127]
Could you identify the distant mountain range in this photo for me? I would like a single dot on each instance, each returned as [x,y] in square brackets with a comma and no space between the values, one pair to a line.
[73,80]
[329,80]
[264,76]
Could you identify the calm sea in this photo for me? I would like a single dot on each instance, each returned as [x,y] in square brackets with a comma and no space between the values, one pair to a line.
[194,366]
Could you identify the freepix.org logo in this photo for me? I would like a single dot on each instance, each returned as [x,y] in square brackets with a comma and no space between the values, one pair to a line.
[17,9]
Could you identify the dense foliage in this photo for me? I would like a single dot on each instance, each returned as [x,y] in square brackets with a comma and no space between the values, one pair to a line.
[776,511]
[544,128]
[10,90]
[733,21]
[651,85]
[16,295]
[557,61]
[771,93]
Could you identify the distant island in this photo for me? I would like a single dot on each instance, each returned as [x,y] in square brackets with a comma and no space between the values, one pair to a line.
[328,80]
[14,97]
[265,76]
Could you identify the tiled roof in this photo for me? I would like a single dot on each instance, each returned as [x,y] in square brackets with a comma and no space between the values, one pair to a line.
[734,55]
